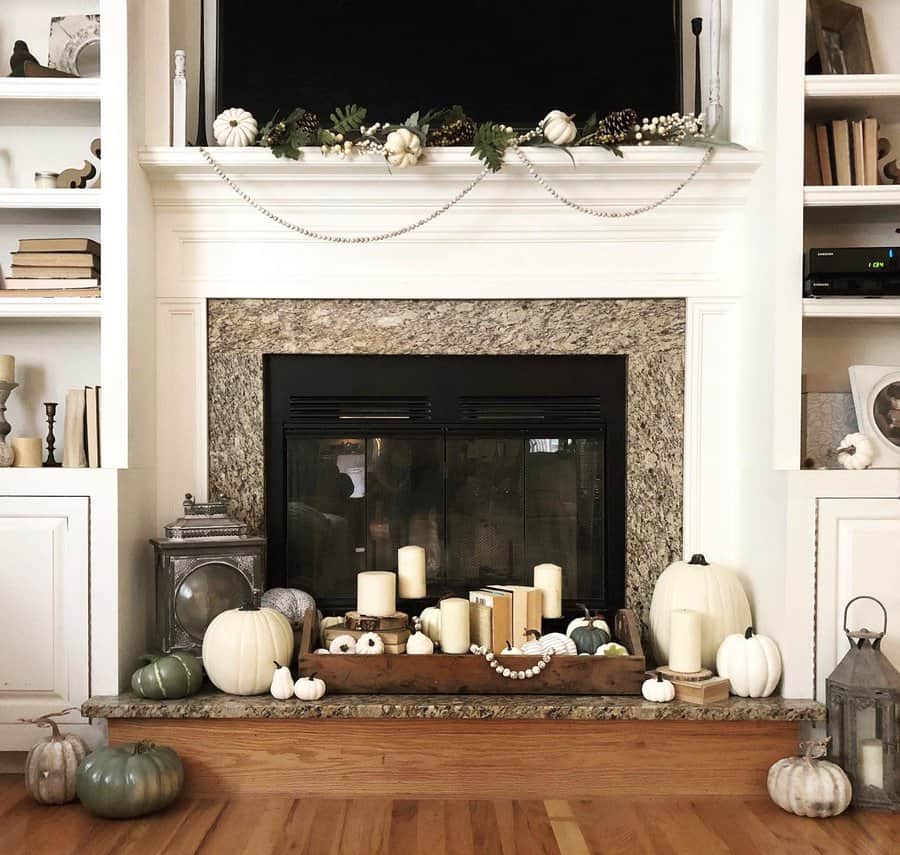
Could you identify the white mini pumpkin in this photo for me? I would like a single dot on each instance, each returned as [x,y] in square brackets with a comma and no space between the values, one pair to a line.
[342,644]
[509,650]
[611,649]
[658,690]
[751,662]
[282,686]
[809,786]
[328,623]
[711,589]
[402,148]
[321,651]
[370,644]
[240,645]
[856,451]
[431,623]
[51,764]
[235,127]
[419,644]
[559,128]
[554,642]
[310,688]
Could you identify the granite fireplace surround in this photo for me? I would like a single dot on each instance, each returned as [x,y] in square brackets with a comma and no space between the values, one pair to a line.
[650,332]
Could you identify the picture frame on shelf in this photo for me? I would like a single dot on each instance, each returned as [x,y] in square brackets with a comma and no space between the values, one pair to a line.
[838,30]
[876,397]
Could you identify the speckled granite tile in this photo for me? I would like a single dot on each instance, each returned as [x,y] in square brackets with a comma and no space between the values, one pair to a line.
[212,704]
[650,332]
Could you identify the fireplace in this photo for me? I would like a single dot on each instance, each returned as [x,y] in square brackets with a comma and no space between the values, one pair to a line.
[493,464]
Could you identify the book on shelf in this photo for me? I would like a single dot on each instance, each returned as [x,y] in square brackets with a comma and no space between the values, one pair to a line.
[499,605]
[48,292]
[92,425]
[480,625]
[859,152]
[73,273]
[812,173]
[709,691]
[56,259]
[870,151]
[527,605]
[81,428]
[840,140]
[824,145]
[846,153]
[59,245]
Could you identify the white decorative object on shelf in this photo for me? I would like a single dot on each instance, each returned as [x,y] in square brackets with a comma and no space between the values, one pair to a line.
[431,623]
[658,690]
[876,396]
[418,643]
[512,673]
[553,642]
[342,644]
[455,625]
[311,688]
[376,593]
[856,451]
[235,127]
[548,579]
[411,582]
[321,651]
[751,662]
[558,128]
[282,686]
[75,45]
[684,641]
[370,644]
[179,103]
[403,148]
[509,650]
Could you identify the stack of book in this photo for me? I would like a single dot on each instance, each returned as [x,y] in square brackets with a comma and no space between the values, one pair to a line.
[843,152]
[81,440]
[55,267]
[500,614]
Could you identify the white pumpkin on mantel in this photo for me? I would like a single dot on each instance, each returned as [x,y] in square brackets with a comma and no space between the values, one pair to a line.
[751,662]
[710,589]
[235,128]
[240,646]
[431,623]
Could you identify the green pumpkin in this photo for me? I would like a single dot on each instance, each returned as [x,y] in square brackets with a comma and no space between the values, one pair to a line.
[174,676]
[125,781]
[588,638]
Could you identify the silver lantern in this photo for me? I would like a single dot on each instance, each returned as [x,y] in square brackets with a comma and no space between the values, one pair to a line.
[863,699]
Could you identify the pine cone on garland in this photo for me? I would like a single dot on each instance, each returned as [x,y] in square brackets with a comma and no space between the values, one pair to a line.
[619,125]
[460,132]
[309,123]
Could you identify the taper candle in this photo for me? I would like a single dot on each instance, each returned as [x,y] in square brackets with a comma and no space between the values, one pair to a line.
[548,578]
[455,625]
[872,763]
[29,451]
[411,572]
[7,368]
[376,593]
[684,641]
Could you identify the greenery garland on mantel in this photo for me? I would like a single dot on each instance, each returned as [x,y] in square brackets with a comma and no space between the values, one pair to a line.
[403,144]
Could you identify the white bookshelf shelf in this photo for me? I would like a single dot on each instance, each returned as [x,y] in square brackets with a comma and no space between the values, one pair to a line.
[51,307]
[58,481]
[26,198]
[849,307]
[50,89]
[851,88]
[851,197]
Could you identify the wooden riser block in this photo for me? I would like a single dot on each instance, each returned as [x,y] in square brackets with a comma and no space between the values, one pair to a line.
[468,759]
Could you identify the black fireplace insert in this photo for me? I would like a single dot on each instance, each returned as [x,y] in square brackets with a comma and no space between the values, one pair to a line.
[493,464]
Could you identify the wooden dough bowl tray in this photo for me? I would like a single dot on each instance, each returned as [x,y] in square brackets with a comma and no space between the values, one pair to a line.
[467,674]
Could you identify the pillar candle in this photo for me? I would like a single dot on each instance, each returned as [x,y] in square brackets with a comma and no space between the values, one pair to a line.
[871,762]
[684,641]
[411,572]
[7,368]
[455,625]
[29,451]
[376,593]
[548,578]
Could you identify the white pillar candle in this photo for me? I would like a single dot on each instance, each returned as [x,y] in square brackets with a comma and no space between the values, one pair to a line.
[871,763]
[411,572]
[684,641]
[7,368]
[376,593]
[455,625]
[548,578]
[29,452]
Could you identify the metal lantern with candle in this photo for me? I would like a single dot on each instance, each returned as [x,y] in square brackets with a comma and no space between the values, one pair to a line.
[863,700]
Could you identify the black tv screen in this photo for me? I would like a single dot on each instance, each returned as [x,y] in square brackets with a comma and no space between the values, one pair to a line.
[510,62]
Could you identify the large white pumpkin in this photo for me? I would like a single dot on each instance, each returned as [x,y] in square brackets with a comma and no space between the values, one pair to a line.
[710,589]
[751,662]
[240,646]
[807,786]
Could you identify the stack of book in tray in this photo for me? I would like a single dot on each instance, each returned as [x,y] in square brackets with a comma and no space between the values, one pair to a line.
[501,613]
[55,267]
[843,152]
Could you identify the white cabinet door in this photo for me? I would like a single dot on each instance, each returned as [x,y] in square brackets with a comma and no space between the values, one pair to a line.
[44,622]
[858,553]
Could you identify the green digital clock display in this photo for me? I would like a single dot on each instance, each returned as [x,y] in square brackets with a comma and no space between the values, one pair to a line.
[877,265]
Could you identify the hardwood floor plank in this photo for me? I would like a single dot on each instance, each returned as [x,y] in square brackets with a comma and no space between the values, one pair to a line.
[253,826]
[12,794]
[677,822]
[404,826]
[533,834]
[367,827]
[201,818]
[328,821]
[566,829]
[458,822]
[431,830]
[615,825]
[298,827]
[485,829]
[742,831]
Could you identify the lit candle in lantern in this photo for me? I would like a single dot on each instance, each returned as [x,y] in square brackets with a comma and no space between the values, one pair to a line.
[455,625]
[684,641]
[376,593]
[411,572]
[871,761]
[548,578]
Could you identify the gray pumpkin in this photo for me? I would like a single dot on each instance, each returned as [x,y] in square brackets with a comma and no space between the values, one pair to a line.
[51,765]
[589,637]
[291,602]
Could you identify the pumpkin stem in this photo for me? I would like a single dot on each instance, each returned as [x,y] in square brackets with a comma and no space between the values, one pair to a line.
[142,747]
[312,676]
[585,609]
[275,664]
[46,720]
[533,632]
[508,644]
[251,605]
[659,677]
[700,559]
[749,633]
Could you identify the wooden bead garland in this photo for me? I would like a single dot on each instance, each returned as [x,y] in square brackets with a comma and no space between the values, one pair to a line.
[510,673]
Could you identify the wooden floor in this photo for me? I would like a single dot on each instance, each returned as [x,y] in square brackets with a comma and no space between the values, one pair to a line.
[506,827]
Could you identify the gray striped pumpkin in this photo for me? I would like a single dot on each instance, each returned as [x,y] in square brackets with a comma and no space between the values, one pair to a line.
[174,676]
[808,786]
[51,765]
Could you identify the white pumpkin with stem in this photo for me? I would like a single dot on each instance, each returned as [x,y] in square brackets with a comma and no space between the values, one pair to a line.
[418,643]
[553,642]
[509,650]
[370,644]
[710,589]
[808,785]
[856,451]
[559,128]
[658,690]
[342,645]
[403,148]
[612,648]
[282,686]
[51,764]
[240,645]
[310,688]
[431,623]
[751,662]
[235,128]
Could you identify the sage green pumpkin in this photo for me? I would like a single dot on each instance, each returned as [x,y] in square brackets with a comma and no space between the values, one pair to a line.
[588,638]
[174,676]
[125,781]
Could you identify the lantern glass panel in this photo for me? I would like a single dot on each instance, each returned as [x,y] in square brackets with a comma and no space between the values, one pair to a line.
[865,724]
[207,591]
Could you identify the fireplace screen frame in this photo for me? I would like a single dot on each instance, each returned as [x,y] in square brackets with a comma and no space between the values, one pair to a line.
[583,396]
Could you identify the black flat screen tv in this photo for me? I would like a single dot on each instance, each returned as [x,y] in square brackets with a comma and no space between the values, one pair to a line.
[510,62]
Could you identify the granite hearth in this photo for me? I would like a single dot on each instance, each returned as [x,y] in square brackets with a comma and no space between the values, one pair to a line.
[650,332]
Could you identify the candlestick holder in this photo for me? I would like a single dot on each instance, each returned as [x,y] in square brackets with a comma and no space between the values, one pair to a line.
[7,455]
[50,407]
